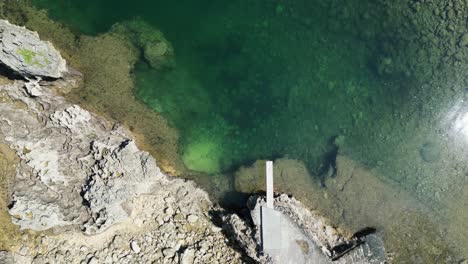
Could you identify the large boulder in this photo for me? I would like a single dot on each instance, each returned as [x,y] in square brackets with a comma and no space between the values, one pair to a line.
[26,54]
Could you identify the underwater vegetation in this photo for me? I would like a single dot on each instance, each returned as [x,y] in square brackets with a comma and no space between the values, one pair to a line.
[256,97]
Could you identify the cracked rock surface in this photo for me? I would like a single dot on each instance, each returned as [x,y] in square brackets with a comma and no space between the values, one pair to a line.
[78,170]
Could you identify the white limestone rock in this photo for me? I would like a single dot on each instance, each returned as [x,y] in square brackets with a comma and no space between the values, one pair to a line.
[135,247]
[26,54]
[76,168]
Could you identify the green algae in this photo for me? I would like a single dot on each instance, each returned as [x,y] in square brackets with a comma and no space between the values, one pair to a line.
[33,58]
[203,155]
[28,55]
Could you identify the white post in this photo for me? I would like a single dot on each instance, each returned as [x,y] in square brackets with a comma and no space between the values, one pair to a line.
[269,184]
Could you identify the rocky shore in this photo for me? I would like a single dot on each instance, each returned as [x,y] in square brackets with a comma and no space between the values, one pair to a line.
[83,191]
[102,200]
[80,175]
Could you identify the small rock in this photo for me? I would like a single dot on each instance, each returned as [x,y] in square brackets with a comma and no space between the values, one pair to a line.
[169,200]
[215,229]
[192,219]
[188,256]
[429,152]
[169,211]
[148,239]
[93,260]
[168,252]
[135,247]
[108,260]
[463,40]
[179,218]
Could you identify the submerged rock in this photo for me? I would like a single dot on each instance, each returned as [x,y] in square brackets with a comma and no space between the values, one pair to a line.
[26,54]
[155,48]
[430,152]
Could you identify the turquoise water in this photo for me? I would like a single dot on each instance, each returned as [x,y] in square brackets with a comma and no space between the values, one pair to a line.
[253,80]
[303,80]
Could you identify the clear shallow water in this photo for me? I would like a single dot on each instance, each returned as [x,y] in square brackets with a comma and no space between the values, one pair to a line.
[253,80]
[297,79]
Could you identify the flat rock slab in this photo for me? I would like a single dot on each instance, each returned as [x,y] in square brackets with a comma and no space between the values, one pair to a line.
[285,243]
[291,233]
[26,54]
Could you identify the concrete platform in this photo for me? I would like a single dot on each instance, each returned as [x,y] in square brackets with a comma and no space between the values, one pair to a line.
[285,242]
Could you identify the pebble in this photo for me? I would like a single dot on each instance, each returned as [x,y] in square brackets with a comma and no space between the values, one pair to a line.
[192,218]
[179,217]
[135,247]
[430,152]
[215,229]
[169,200]
[148,239]
[168,252]
[169,211]
[93,260]
[188,256]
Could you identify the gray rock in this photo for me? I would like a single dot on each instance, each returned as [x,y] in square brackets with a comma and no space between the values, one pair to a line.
[188,257]
[26,54]
[243,234]
[5,257]
[430,152]
[169,252]
[71,153]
